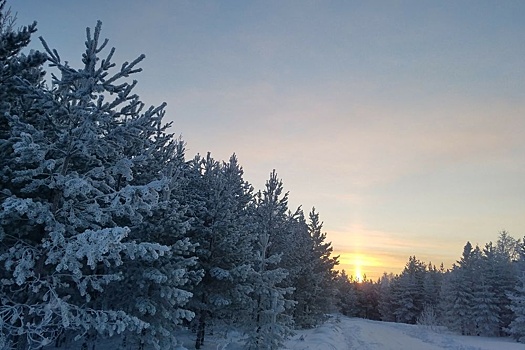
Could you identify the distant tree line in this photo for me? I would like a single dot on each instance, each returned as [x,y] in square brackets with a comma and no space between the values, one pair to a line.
[107,229]
[482,294]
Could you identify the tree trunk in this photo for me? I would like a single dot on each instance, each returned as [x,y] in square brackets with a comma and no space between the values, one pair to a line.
[201,330]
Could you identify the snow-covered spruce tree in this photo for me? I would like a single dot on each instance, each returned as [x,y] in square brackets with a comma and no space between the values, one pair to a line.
[496,278]
[404,297]
[502,277]
[270,324]
[517,326]
[346,296]
[367,299]
[71,196]
[306,258]
[17,72]
[298,260]
[314,280]
[324,263]
[431,285]
[489,296]
[218,199]
[458,292]
[409,296]
[386,299]
[243,237]
[156,291]
[485,309]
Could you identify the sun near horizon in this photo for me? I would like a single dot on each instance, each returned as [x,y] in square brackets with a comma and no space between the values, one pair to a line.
[359,266]
[372,266]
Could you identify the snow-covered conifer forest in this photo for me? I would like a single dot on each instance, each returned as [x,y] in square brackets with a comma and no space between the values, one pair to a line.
[109,231]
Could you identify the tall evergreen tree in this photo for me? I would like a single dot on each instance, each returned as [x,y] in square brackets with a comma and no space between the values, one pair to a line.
[432,285]
[409,294]
[219,199]
[458,292]
[386,299]
[314,284]
[324,262]
[485,310]
[271,325]
[503,277]
[19,73]
[517,326]
[367,299]
[346,296]
[298,261]
[156,291]
[72,192]
[488,296]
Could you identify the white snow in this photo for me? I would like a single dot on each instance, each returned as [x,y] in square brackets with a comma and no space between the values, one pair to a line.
[344,333]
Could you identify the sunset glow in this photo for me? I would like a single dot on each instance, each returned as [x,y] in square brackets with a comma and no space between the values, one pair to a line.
[358,265]
[358,276]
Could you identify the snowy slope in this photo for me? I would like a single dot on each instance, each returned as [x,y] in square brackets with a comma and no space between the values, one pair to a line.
[342,333]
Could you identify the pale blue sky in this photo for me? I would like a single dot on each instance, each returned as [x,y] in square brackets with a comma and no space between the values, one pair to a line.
[401,121]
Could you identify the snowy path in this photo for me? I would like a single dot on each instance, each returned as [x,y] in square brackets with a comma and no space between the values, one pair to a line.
[342,333]
[374,335]
[349,333]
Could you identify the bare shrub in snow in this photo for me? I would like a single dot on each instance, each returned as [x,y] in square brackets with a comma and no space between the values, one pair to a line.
[428,317]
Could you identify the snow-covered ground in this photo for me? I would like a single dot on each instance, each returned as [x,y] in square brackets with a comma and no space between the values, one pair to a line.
[343,333]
